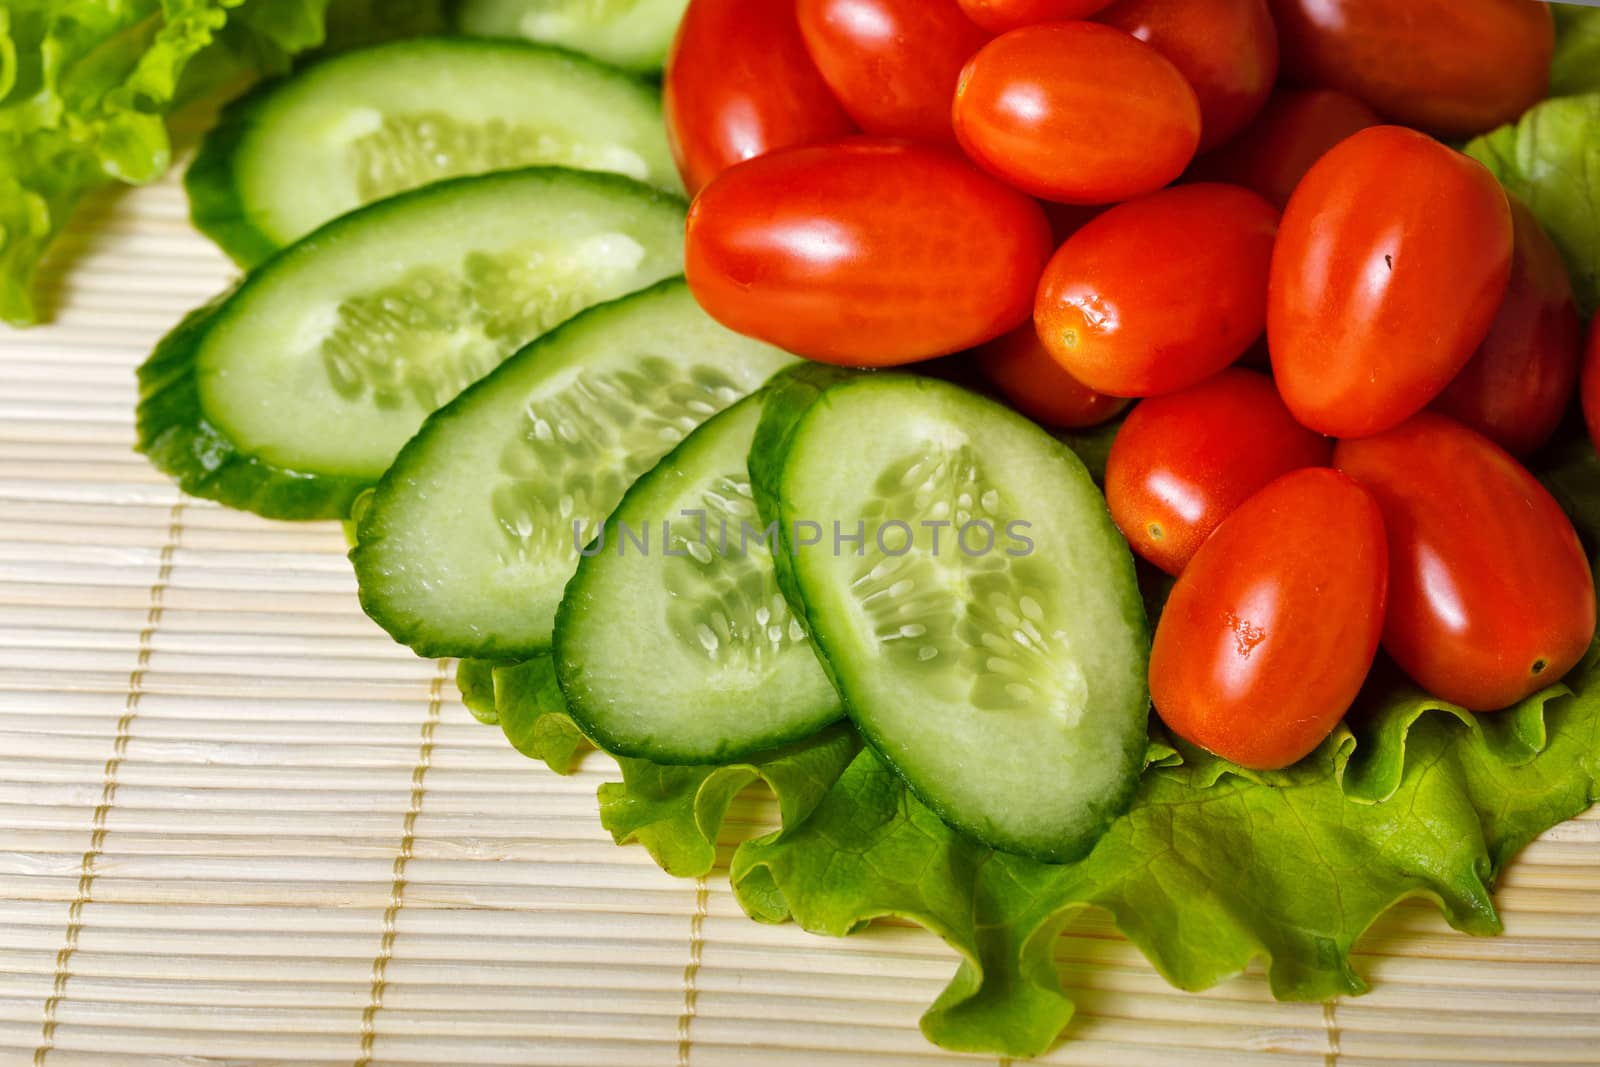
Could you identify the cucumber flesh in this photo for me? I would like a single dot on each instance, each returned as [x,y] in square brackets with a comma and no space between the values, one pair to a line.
[368,124]
[294,393]
[632,34]
[686,652]
[466,546]
[1006,684]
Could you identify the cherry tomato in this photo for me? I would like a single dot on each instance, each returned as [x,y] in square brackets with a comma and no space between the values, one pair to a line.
[1161,292]
[1292,132]
[998,16]
[1452,67]
[1077,112]
[1491,598]
[1270,632]
[1039,387]
[892,63]
[865,252]
[1516,389]
[1184,462]
[1591,382]
[1226,49]
[724,105]
[1391,263]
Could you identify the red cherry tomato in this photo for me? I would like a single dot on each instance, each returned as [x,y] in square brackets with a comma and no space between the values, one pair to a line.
[1182,463]
[1226,49]
[1516,389]
[998,16]
[1491,598]
[1161,292]
[1591,383]
[865,252]
[1391,263]
[1270,632]
[1077,112]
[892,63]
[1292,132]
[1039,387]
[727,104]
[1452,67]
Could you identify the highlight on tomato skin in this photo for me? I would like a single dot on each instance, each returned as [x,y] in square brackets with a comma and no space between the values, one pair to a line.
[1160,292]
[1226,49]
[1491,597]
[866,252]
[1269,634]
[1116,121]
[998,16]
[893,64]
[1035,384]
[1183,462]
[1454,68]
[1294,130]
[1390,266]
[724,104]
[1591,382]
[1519,384]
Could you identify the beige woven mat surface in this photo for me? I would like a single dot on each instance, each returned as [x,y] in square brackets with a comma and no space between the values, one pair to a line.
[238,825]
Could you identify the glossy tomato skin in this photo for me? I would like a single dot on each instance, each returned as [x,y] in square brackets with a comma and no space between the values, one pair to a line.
[1293,131]
[1517,388]
[866,252]
[999,16]
[1452,67]
[1591,382]
[1077,112]
[1491,597]
[1390,266]
[1226,49]
[893,64]
[1039,387]
[727,104]
[1182,463]
[1271,631]
[1161,292]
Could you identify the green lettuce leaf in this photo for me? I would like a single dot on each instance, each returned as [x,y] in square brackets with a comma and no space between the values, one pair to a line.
[475,680]
[677,812]
[1212,868]
[1575,68]
[533,714]
[1550,159]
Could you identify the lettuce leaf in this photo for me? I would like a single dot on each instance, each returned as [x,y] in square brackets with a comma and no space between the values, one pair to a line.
[533,714]
[1550,159]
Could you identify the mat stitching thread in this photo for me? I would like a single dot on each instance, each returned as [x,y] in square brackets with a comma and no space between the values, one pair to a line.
[108,788]
[397,883]
[691,970]
[1330,1023]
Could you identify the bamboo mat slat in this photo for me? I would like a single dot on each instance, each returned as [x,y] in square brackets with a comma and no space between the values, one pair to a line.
[238,824]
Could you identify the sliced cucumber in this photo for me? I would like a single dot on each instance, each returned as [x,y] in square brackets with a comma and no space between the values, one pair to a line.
[686,651]
[294,393]
[1006,683]
[633,34]
[469,540]
[366,125]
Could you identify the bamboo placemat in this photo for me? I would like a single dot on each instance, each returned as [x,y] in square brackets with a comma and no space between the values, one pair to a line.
[238,824]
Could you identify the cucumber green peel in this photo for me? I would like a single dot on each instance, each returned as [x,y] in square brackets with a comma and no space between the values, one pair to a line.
[293,394]
[366,125]
[632,34]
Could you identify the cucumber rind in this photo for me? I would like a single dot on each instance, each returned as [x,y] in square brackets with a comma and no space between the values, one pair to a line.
[799,396]
[181,440]
[217,205]
[582,599]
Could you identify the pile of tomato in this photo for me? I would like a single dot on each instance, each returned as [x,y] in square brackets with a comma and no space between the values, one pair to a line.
[1342,335]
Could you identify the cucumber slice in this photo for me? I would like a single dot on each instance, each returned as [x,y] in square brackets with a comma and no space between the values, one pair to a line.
[294,393]
[366,125]
[687,652]
[469,540]
[633,34]
[1007,685]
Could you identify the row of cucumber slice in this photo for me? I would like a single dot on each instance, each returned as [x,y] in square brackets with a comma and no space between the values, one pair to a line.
[680,541]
